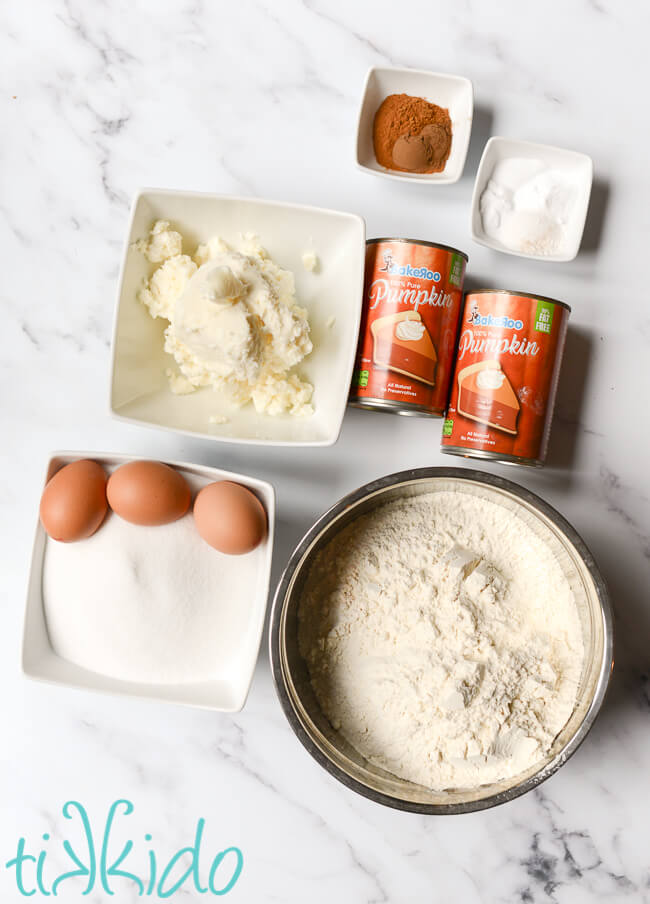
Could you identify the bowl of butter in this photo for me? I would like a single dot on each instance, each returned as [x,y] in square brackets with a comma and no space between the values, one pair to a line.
[237,319]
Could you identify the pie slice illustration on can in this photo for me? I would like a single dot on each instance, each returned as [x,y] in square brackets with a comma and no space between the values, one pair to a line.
[486,395]
[401,343]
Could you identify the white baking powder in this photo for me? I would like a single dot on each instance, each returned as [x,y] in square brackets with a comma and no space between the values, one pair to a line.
[443,640]
[148,604]
[527,206]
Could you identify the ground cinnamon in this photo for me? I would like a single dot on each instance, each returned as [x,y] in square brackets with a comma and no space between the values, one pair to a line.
[412,135]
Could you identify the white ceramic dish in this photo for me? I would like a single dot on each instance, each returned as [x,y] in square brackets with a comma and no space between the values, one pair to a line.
[228,691]
[332,295]
[451,91]
[578,166]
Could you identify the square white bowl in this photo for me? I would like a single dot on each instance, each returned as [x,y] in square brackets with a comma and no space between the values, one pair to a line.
[579,166]
[332,295]
[451,91]
[227,692]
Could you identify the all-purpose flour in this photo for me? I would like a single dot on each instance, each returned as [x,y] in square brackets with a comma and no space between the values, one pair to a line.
[442,640]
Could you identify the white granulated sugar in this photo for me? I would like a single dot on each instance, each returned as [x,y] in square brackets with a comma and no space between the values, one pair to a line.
[442,640]
[527,206]
[148,604]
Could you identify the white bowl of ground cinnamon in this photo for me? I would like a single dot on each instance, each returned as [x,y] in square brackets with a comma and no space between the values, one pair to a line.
[414,125]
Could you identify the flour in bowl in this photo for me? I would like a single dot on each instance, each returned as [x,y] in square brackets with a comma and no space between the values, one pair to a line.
[442,640]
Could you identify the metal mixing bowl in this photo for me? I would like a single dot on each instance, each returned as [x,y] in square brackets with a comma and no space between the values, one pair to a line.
[291,677]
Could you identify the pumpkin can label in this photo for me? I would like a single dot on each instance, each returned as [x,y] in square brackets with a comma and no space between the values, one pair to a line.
[411,306]
[505,377]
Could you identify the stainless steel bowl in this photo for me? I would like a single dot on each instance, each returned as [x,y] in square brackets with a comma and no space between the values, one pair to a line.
[291,677]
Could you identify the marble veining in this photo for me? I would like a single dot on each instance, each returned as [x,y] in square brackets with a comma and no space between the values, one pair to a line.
[261,99]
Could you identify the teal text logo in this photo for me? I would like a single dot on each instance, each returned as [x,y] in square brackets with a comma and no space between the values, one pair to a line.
[99,863]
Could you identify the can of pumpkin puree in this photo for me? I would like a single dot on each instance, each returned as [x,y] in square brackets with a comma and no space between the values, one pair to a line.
[505,378]
[413,294]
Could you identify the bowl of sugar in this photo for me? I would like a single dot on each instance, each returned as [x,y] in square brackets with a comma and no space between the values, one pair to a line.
[149,610]
[531,199]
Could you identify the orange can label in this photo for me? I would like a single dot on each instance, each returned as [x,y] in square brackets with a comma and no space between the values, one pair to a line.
[506,373]
[412,300]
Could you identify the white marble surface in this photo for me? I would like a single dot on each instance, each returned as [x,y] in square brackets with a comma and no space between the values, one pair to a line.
[260,99]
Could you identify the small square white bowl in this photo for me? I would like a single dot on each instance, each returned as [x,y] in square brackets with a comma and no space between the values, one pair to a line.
[579,166]
[332,295]
[451,91]
[227,692]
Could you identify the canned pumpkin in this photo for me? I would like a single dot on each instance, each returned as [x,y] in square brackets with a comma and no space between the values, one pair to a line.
[505,378]
[412,300]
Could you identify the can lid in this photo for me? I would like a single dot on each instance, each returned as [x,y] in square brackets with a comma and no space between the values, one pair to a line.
[562,304]
[420,242]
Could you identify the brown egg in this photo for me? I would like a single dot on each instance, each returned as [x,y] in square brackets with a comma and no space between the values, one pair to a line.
[148,493]
[73,504]
[229,517]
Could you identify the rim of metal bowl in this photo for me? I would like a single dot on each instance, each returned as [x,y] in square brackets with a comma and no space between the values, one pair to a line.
[410,476]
